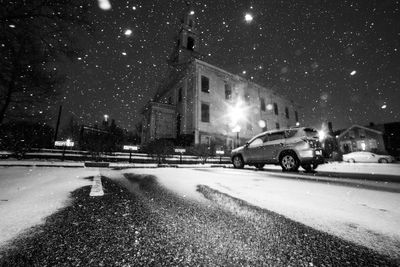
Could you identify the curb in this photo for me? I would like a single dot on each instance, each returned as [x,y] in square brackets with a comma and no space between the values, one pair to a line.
[42,165]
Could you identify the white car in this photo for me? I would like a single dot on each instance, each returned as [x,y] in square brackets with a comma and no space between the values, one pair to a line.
[363,156]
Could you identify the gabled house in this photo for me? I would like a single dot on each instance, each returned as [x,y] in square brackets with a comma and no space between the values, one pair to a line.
[360,138]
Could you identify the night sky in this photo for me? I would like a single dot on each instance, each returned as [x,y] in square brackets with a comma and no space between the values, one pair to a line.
[339,60]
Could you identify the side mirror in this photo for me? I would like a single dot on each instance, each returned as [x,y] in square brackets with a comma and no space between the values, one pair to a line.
[246,145]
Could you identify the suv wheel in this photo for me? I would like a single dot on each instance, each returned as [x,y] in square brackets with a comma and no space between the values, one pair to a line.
[238,162]
[289,162]
[259,166]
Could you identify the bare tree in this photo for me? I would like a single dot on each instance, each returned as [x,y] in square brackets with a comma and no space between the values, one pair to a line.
[35,34]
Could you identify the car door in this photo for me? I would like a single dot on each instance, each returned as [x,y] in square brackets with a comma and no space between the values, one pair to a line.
[253,150]
[371,157]
[273,145]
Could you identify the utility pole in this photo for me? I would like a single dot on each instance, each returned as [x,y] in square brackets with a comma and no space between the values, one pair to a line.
[58,123]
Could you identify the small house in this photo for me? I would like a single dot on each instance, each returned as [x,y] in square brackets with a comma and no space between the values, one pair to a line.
[360,138]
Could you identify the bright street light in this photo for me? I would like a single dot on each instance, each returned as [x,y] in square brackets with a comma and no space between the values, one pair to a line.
[236,113]
[321,135]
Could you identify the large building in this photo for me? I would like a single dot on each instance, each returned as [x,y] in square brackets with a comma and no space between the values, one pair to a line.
[199,103]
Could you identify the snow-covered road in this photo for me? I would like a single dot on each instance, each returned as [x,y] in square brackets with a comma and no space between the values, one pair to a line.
[361,211]
[364,216]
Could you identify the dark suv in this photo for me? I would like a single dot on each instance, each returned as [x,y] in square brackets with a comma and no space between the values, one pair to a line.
[291,148]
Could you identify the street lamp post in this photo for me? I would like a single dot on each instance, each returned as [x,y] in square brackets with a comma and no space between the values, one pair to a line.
[237,114]
[236,130]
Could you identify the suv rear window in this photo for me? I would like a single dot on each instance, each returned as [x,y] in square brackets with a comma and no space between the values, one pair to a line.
[310,132]
[290,133]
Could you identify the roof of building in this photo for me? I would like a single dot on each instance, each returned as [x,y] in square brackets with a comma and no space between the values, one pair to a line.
[358,126]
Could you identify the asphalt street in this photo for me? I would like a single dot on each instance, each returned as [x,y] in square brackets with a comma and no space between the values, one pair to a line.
[149,225]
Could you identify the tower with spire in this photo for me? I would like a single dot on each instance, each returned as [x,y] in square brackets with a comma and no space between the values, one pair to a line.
[187,43]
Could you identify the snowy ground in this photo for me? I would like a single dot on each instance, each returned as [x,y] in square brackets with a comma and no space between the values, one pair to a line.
[337,167]
[28,195]
[367,217]
[345,167]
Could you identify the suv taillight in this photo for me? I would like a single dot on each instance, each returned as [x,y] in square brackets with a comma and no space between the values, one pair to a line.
[313,143]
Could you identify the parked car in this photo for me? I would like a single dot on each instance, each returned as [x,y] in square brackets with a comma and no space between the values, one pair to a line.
[290,148]
[5,154]
[364,156]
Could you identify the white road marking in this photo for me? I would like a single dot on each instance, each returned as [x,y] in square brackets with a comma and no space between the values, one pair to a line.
[97,188]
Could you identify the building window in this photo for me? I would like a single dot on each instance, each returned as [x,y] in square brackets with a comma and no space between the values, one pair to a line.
[276,109]
[296,115]
[247,98]
[277,125]
[178,125]
[265,127]
[287,112]
[249,126]
[228,91]
[205,84]
[262,104]
[170,100]
[361,133]
[180,95]
[190,43]
[205,112]
[190,23]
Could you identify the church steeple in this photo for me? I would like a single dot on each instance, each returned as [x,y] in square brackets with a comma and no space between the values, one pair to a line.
[187,46]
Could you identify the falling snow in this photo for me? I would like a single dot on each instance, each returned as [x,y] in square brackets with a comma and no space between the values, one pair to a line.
[328,57]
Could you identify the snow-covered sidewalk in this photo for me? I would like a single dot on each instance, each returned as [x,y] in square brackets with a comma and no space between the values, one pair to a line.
[29,194]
